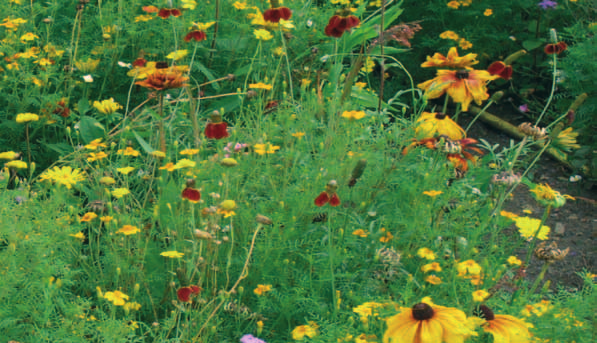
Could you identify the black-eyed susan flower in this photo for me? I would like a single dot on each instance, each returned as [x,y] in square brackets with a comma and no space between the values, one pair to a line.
[451,60]
[504,328]
[329,195]
[433,124]
[425,323]
[463,86]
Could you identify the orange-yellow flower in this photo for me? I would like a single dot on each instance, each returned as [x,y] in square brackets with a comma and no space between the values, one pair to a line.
[451,60]
[463,86]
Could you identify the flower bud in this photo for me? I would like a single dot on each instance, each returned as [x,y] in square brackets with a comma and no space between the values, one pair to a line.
[513,57]
[228,162]
[497,96]
[261,219]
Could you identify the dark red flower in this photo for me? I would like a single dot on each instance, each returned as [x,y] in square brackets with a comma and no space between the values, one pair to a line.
[164,13]
[196,35]
[557,48]
[191,194]
[274,15]
[337,25]
[500,68]
[329,195]
[139,62]
[216,128]
[61,109]
[184,293]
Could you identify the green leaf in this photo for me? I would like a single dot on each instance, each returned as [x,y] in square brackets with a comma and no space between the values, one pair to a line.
[207,74]
[148,149]
[531,44]
[90,129]
[83,106]
[369,29]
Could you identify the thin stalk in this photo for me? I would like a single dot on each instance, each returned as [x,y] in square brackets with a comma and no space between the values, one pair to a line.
[161,123]
[534,239]
[381,61]
[287,65]
[478,115]
[540,277]
[553,89]
[216,26]
[28,145]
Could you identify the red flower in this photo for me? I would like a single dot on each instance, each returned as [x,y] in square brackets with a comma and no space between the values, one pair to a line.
[500,68]
[551,49]
[197,35]
[184,293]
[338,24]
[139,62]
[150,9]
[191,194]
[329,195]
[216,128]
[274,15]
[61,109]
[164,13]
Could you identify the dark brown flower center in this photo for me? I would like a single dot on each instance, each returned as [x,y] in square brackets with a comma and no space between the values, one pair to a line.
[462,74]
[161,65]
[484,312]
[440,116]
[422,311]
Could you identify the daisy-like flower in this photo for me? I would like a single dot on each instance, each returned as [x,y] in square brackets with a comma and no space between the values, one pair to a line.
[361,233]
[504,328]
[468,267]
[23,118]
[329,195]
[125,170]
[434,280]
[262,289]
[184,163]
[16,164]
[95,144]
[165,13]
[172,254]
[216,128]
[547,196]
[452,60]
[514,261]
[87,217]
[262,149]
[434,124]
[128,230]
[353,115]
[190,192]
[184,294]
[425,323]
[117,297]
[426,253]
[260,85]
[529,228]
[301,331]
[189,152]
[262,34]
[178,54]
[434,266]
[120,192]
[196,35]
[128,152]
[107,107]
[338,24]
[66,176]
[480,295]
[555,48]
[161,79]
[106,180]
[463,86]
[227,208]
[92,156]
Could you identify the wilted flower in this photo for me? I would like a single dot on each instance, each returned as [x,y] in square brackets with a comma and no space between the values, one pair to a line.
[434,124]
[533,131]
[161,79]
[547,196]
[550,253]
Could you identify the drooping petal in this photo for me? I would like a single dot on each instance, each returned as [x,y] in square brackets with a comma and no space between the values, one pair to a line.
[334,200]
[196,35]
[191,194]
[431,331]
[398,325]
[184,294]
[216,130]
[322,199]
[496,68]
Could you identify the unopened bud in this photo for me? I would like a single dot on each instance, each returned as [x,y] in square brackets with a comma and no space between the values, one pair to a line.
[497,96]
[577,102]
[229,162]
[261,219]
[513,57]
[359,169]
[553,34]
[190,183]
[215,116]
[200,234]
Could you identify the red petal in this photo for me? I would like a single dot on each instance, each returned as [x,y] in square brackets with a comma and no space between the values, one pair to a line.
[216,130]
[191,194]
[184,294]
[332,31]
[550,49]
[322,199]
[175,12]
[496,68]
[164,13]
[335,200]
[561,46]
[195,289]
[352,21]
[285,13]
[139,62]
[196,35]
[272,15]
[506,74]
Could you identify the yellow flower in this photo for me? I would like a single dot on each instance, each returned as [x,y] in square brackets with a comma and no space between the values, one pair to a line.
[387,237]
[178,54]
[169,167]
[504,328]
[108,106]
[189,4]
[434,280]
[426,253]
[424,323]
[78,235]
[92,157]
[353,115]
[368,65]
[260,85]
[106,219]
[452,60]
[361,233]
[23,118]
[95,144]
[227,208]
[117,298]
[480,295]
[106,180]
[189,152]
[454,4]
[546,196]
[262,34]
[87,217]
[463,86]
[158,154]
[120,192]
[430,125]
[16,164]
[529,227]
[514,261]
[143,18]
[468,267]
[298,135]
[464,44]
[128,152]
[262,289]
[8,155]
[27,37]
[64,176]
[488,12]
[508,215]
[299,332]
[12,24]
[203,26]
[132,306]
[128,230]
[88,66]
[367,309]
[363,338]
[240,5]
[125,170]
[449,35]
[263,149]
[434,266]
[433,194]
[172,254]
[184,163]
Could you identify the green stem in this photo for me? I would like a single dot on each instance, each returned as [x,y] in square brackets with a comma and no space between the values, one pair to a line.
[539,278]
[478,115]
[553,89]
[534,239]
